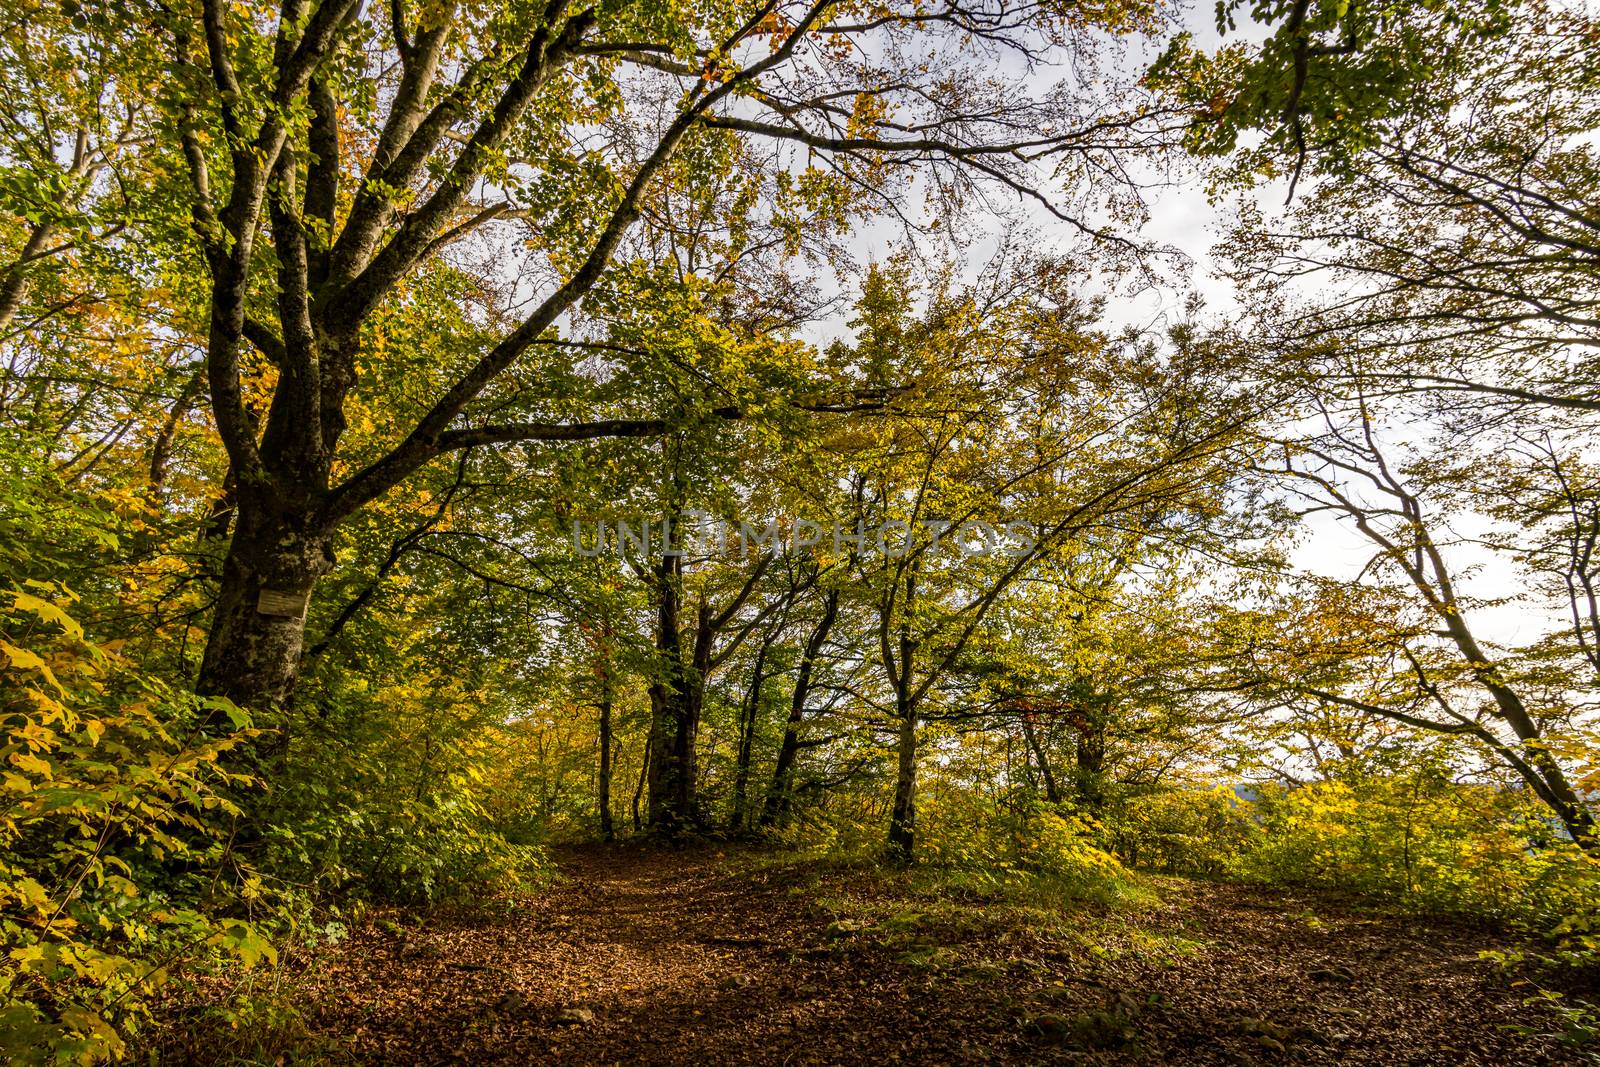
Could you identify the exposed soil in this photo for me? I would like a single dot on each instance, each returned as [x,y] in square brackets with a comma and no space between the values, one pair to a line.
[656,957]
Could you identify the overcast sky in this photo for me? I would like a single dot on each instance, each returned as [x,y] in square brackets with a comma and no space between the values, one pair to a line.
[1184,218]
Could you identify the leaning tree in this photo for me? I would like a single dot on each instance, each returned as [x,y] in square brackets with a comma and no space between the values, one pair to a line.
[331,160]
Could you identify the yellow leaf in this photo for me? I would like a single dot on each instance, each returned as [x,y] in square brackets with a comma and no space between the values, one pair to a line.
[48,612]
[27,761]
[22,659]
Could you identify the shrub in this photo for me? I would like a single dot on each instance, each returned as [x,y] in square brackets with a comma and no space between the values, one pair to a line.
[1185,831]
[387,796]
[114,816]
[1420,838]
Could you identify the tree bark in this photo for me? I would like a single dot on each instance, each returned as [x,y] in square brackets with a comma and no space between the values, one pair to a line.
[607,830]
[678,695]
[748,714]
[638,787]
[14,283]
[161,447]
[1052,793]
[675,698]
[604,658]
[272,566]
[903,820]
[1091,753]
[332,278]
[780,796]
[1423,563]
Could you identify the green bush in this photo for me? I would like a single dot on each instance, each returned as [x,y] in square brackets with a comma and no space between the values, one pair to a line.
[1421,839]
[1048,851]
[387,797]
[1418,839]
[1187,831]
[115,812]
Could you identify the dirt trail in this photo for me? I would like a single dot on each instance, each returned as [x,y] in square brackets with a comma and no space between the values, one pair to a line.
[647,957]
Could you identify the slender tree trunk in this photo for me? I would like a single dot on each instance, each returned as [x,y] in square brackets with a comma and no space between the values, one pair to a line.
[14,282]
[748,714]
[1424,564]
[161,447]
[638,788]
[1538,766]
[607,830]
[1550,781]
[903,820]
[1051,792]
[780,796]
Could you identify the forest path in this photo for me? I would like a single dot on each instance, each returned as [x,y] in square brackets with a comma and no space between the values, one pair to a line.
[696,957]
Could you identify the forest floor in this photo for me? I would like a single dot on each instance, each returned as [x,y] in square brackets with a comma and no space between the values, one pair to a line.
[700,957]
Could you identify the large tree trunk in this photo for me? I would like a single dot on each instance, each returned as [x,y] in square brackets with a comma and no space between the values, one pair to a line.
[273,562]
[674,791]
[675,698]
[1091,769]
[662,779]
[282,540]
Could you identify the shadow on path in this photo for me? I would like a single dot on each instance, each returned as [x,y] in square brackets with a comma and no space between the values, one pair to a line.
[643,956]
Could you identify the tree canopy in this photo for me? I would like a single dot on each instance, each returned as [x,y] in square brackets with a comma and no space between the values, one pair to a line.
[434,430]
